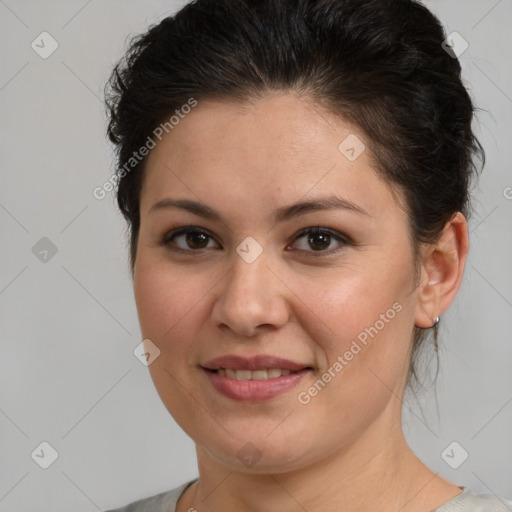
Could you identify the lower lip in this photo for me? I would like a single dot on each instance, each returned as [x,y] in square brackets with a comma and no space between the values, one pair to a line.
[254,390]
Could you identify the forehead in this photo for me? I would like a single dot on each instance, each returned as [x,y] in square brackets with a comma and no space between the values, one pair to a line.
[280,126]
[277,148]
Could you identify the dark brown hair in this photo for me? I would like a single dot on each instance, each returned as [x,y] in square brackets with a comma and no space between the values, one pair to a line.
[379,64]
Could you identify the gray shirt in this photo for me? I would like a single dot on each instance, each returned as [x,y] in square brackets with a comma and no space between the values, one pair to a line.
[467,501]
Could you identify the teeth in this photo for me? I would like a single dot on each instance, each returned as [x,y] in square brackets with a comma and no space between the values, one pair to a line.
[243,374]
[253,375]
[259,375]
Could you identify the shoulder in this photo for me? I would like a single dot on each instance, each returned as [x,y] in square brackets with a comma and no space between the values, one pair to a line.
[163,502]
[470,501]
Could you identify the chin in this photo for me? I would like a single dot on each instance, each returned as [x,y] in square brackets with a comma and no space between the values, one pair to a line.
[259,454]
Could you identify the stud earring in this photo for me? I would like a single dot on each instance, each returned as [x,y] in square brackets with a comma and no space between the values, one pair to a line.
[436,321]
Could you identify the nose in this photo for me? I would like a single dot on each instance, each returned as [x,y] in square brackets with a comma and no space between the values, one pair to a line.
[251,298]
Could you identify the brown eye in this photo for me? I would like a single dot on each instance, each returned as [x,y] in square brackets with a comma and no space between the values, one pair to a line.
[320,240]
[196,239]
[192,239]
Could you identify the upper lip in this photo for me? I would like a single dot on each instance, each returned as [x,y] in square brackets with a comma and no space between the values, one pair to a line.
[259,362]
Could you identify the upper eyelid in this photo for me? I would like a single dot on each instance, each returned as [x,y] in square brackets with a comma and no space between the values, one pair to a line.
[183,230]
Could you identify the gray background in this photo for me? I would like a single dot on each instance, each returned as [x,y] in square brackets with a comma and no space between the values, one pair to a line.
[68,375]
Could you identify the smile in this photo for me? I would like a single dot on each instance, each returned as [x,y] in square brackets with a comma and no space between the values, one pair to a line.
[253,375]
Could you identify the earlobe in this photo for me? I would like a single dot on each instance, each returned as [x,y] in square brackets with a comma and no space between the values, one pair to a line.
[442,271]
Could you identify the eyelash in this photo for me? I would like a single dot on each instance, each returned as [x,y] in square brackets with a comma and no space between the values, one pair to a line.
[166,241]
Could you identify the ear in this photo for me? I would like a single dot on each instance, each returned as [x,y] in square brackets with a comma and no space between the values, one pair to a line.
[441,271]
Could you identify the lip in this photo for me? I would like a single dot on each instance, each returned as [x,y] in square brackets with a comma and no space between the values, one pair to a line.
[254,390]
[259,362]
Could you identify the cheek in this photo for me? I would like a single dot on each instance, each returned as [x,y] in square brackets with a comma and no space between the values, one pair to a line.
[167,304]
[365,323]
[164,298]
[173,308]
[352,300]
[153,297]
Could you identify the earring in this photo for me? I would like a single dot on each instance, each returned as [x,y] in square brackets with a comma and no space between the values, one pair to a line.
[436,321]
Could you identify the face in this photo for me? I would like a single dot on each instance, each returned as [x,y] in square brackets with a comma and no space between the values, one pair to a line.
[247,280]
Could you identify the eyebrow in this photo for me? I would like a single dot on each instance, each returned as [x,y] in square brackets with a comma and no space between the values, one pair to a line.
[281,214]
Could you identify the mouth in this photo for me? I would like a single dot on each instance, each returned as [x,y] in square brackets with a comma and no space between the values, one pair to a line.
[254,378]
[266,374]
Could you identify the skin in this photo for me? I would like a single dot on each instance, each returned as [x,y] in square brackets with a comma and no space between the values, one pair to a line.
[345,449]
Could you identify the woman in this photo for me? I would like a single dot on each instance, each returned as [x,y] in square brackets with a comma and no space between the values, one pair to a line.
[295,178]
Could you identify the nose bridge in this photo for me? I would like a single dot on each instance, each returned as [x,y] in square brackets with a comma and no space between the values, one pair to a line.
[251,295]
